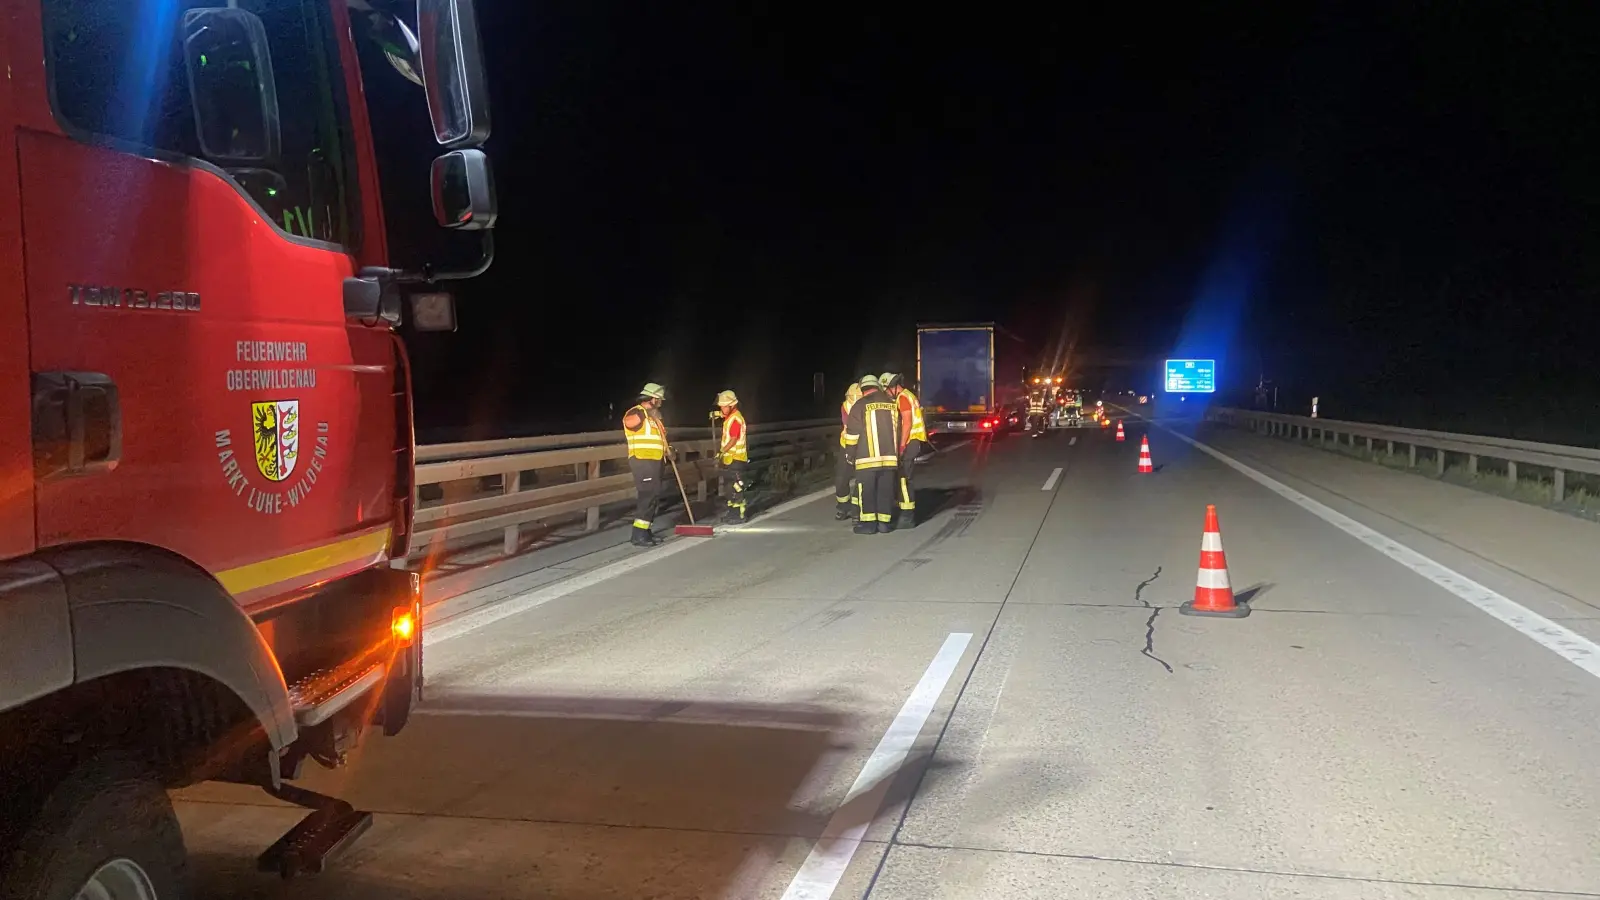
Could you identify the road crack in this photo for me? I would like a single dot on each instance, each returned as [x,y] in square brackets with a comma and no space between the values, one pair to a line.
[1149,648]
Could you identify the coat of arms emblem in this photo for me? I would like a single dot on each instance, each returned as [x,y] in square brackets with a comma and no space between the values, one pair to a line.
[276,425]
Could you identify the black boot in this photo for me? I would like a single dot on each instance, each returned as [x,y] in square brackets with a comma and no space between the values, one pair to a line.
[885,527]
[842,512]
[865,528]
[643,538]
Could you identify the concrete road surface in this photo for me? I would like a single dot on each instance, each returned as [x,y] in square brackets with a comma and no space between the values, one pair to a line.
[1003,702]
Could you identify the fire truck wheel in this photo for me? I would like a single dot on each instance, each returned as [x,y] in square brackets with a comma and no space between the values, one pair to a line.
[106,831]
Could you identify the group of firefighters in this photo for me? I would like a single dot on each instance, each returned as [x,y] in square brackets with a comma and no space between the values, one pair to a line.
[881,436]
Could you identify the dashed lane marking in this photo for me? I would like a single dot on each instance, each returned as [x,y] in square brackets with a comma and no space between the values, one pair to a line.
[819,875]
[1050,483]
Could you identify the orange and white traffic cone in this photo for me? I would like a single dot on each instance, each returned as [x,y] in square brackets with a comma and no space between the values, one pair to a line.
[1144,455]
[1213,593]
[1119,431]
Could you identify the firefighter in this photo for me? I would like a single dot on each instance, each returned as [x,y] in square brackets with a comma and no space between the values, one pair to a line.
[848,506]
[734,454]
[871,442]
[913,441]
[1036,412]
[647,447]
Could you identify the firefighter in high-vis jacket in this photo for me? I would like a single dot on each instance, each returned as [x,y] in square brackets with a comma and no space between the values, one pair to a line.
[733,453]
[848,505]
[647,447]
[913,441]
[871,437]
[1037,413]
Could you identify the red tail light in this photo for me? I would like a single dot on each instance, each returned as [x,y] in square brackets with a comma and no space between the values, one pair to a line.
[988,423]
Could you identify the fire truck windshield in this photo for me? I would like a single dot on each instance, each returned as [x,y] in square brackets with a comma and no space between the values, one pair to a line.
[188,80]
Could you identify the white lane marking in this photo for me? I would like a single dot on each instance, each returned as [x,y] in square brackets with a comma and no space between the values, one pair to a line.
[1072,441]
[819,875]
[487,615]
[1050,483]
[1565,643]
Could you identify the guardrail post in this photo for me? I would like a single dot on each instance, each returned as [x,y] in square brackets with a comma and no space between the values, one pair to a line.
[510,483]
[1438,455]
[1412,460]
[591,519]
[1391,447]
[1472,463]
[1511,472]
[1369,443]
[1559,487]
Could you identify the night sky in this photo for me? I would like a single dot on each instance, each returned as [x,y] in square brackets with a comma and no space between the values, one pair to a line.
[1392,209]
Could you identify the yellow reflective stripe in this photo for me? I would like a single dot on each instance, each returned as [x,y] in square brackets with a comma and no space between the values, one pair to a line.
[641,523]
[919,431]
[877,462]
[365,548]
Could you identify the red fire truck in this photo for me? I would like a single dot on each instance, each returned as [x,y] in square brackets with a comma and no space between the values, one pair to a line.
[206,463]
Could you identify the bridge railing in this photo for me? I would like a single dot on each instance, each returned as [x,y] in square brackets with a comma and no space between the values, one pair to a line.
[478,487]
[1440,445]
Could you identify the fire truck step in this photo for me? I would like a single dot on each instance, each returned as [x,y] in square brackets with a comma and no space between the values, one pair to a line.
[317,839]
[318,695]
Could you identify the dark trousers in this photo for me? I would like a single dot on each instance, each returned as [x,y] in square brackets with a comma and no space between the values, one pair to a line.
[842,492]
[733,482]
[907,493]
[647,481]
[875,489]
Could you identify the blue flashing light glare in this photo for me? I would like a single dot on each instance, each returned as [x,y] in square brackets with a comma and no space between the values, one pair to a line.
[1191,376]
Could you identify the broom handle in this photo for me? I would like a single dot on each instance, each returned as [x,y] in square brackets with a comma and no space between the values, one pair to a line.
[681,492]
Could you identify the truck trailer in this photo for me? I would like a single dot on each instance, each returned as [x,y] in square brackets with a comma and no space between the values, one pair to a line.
[207,467]
[955,372]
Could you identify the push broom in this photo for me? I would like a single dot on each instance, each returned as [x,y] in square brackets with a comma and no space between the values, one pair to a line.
[691,529]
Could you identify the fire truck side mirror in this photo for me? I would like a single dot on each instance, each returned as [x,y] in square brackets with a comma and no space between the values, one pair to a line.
[463,191]
[231,88]
[452,72]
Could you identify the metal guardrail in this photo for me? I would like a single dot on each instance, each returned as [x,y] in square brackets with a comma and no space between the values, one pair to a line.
[501,485]
[1559,459]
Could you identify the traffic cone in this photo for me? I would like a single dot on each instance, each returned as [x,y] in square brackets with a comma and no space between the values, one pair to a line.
[1144,455]
[1213,594]
[1119,431]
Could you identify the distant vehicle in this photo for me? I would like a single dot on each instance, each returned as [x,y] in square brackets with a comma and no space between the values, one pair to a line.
[955,368]
[1012,417]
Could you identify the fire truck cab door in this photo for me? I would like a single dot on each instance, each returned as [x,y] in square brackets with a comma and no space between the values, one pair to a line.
[254,424]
